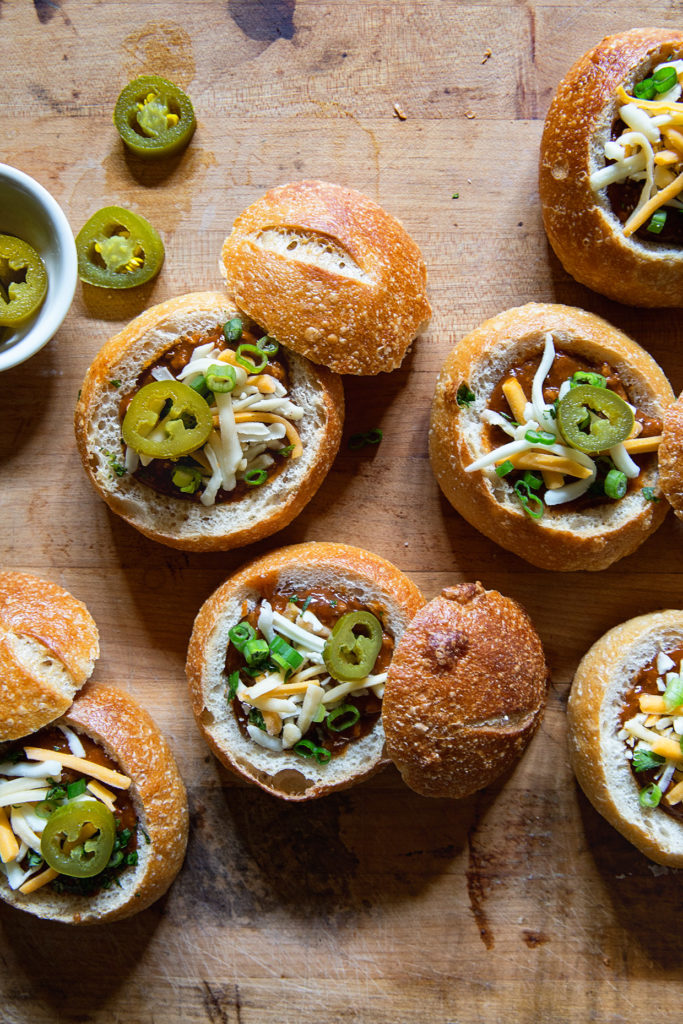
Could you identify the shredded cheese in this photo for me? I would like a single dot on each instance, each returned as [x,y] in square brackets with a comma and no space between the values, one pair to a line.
[103,794]
[80,764]
[639,216]
[38,881]
[9,847]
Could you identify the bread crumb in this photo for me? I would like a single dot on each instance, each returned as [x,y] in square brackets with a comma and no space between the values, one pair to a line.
[470,115]
[487,54]
[399,113]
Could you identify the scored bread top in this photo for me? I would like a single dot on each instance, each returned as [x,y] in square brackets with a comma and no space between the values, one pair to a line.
[48,648]
[581,227]
[465,692]
[330,274]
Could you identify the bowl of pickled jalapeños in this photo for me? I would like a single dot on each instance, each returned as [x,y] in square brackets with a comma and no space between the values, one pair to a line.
[154,117]
[118,249]
[37,266]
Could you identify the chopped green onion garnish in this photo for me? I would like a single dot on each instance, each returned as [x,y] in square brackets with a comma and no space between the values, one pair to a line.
[233,683]
[531,503]
[221,378]
[261,359]
[255,477]
[115,383]
[287,450]
[673,695]
[284,655]
[643,760]
[540,437]
[532,480]
[34,859]
[187,479]
[649,494]
[75,788]
[650,796]
[56,793]
[342,718]
[645,90]
[615,484]
[267,345]
[465,396]
[132,858]
[305,604]
[255,651]
[200,386]
[240,634]
[232,331]
[657,222]
[373,436]
[45,808]
[504,468]
[596,380]
[305,748]
[664,79]
[256,718]
[319,716]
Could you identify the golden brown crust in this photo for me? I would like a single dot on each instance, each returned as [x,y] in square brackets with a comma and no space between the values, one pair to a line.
[580,225]
[48,646]
[671,457]
[178,523]
[465,692]
[586,541]
[356,298]
[320,561]
[111,717]
[603,677]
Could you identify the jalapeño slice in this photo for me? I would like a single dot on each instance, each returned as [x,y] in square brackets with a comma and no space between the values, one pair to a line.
[118,249]
[78,838]
[593,419]
[166,419]
[351,651]
[154,117]
[23,281]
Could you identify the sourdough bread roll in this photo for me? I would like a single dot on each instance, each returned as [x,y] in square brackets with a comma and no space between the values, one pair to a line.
[128,736]
[341,574]
[465,693]
[599,755]
[671,456]
[330,274]
[582,225]
[48,648]
[570,536]
[172,520]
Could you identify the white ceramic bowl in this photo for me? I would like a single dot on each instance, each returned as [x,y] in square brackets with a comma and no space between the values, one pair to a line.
[28,211]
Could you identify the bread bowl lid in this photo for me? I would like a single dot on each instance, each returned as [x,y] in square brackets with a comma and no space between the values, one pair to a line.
[671,456]
[48,648]
[465,691]
[330,274]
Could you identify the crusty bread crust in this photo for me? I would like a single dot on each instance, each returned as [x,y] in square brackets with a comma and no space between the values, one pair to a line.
[602,680]
[590,539]
[185,524]
[465,692]
[671,457]
[126,733]
[48,648]
[346,571]
[584,232]
[330,274]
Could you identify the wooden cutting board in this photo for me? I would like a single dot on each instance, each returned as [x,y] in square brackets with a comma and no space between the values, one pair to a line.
[375,906]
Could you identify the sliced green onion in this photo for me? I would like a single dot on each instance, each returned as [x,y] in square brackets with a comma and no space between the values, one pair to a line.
[643,760]
[657,222]
[615,484]
[322,755]
[187,479]
[115,859]
[342,718]
[319,716]
[664,79]
[75,788]
[532,480]
[251,350]
[255,477]
[649,494]
[240,634]
[256,718]
[200,386]
[56,793]
[586,377]
[305,748]
[645,90]
[132,857]
[540,437]
[269,346]
[373,436]
[504,468]
[306,603]
[284,655]
[232,331]
[256,651]
[287,450]
[650,796]
[673,695]
[531,503]
[465,396]
[221,378]
[45,808]
[233,683]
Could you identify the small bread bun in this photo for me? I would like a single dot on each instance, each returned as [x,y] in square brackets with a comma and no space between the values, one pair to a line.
[583,229]
[598,755]
[127,734]
[346,573]
[172,520]
[671,456]
[48,648]
[570,536]
[465,692]
[330,274]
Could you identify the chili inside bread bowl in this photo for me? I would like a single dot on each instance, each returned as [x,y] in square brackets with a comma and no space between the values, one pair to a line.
[330,274]
[625,718]
[611,168]
[200,431]
[545,427]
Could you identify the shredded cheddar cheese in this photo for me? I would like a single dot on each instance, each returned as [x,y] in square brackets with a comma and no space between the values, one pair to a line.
[80,764]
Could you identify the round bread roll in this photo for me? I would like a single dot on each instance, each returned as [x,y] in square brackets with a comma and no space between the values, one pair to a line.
[128,736]
[345,574]
[173,520]
[569,536]
[465,692]
[48,648]
[599,756]
[330,274]
[586,233]
[671,456]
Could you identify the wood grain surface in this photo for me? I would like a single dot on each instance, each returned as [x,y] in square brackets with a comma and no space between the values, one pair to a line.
[374,906]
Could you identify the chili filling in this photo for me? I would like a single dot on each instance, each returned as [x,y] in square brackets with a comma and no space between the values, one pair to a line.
[253,439]
[339,719]
[66,791]
[651,728]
